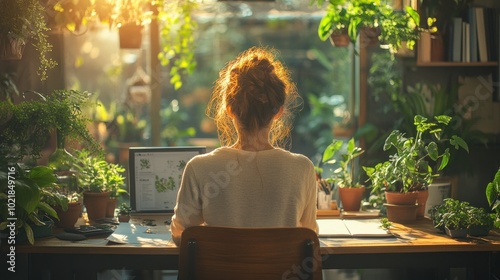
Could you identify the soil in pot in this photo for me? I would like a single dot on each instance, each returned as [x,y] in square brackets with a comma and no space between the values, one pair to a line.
[68,218]
[96,204]
[401,213]
[351,198]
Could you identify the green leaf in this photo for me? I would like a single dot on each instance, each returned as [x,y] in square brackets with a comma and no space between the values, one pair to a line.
[432,149]
[459,142]
[29,233]
[444,160]
[331,149]
[42,175]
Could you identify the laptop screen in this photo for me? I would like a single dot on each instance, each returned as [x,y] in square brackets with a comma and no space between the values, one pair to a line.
[155,175]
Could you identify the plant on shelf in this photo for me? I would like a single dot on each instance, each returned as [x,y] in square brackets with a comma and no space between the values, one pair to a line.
[97,179]
[493,197]
[344,176]
[374,17]
[416,162]
[22,21]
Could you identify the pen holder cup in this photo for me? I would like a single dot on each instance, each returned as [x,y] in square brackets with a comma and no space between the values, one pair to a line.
[324,200]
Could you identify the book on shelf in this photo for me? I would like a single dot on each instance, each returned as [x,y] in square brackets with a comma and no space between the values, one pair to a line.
[465,42]
[481,34]
[457,40]
[473,34]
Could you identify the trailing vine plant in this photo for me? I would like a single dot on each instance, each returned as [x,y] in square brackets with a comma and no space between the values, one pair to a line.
[177,38]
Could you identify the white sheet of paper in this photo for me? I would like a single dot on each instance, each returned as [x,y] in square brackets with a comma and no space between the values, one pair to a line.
[127,233]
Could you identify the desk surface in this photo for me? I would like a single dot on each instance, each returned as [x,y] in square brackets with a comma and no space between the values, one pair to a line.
[416,237]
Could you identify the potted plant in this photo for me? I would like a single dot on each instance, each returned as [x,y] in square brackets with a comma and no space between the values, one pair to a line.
[480,221]
[455,218]
[372,18]
[70,125]
[415,163]
[67,205]
[28,208]
[124,213]
[22,21]
[115,184]
[350,190]
[493,197]
[97,179]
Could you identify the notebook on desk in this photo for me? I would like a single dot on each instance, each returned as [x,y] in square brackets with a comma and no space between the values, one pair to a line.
[351,228]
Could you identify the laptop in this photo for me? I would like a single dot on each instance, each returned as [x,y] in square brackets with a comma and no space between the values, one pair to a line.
[155,175]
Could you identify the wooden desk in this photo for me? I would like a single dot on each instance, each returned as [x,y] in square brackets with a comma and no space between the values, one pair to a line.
[420,246]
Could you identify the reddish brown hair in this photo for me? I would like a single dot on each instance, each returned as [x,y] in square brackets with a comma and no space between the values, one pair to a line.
[254,86]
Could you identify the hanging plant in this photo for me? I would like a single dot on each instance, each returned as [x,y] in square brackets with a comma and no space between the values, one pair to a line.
[24,20]
[177,38]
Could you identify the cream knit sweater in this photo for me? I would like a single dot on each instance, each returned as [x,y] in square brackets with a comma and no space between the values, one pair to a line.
[236,188]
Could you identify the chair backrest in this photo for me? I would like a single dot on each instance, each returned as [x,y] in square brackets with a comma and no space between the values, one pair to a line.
[249,253]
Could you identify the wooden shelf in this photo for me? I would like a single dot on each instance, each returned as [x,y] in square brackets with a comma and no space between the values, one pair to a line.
[457,64]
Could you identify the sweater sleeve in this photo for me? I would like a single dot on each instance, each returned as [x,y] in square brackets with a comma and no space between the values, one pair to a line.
[308,218]
[187,211]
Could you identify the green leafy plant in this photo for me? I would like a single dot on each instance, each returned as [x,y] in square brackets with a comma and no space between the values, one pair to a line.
[25,128]
[480,217]
[455,215]
[24,20]
[417,160]
[385,224]
[493,197]
[55,196]
[177,38]
[344,175]
[124,209]
[353,16]
[95,174]
[22,196]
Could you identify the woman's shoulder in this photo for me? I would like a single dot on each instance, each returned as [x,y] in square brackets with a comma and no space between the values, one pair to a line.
[294,156]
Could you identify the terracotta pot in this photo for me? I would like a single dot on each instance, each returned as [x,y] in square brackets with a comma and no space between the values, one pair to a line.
[96,204]
[437,47]
[123,218]
[369,37]
[130,36]
[110,210]
[401,213]
[351,198]
[340,39]
[422,197]
[400,198]
[68,218]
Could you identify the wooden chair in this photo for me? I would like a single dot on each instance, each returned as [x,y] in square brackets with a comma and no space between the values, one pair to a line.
[249,253]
